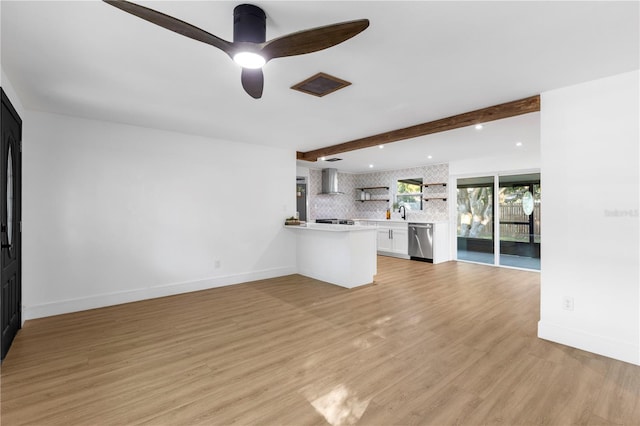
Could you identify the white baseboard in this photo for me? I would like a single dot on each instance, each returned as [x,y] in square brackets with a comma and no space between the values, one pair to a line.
[392,254]
[117,298]
[601,345]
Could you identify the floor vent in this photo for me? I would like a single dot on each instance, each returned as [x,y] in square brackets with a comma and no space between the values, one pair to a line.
[320,84]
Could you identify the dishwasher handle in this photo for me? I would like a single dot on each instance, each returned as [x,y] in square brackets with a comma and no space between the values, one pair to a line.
[421,225]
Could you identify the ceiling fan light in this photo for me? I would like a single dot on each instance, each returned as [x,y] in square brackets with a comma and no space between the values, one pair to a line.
[249,60]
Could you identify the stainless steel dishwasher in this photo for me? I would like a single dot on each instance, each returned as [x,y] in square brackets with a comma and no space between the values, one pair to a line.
[421,241]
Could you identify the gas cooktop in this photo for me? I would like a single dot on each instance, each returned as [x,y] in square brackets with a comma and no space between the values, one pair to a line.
[336,221]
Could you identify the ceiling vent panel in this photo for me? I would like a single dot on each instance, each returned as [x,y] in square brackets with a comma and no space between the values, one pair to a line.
[320,84]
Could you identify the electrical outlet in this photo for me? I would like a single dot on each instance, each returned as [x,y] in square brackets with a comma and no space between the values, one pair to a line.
[567,303]
[216,264]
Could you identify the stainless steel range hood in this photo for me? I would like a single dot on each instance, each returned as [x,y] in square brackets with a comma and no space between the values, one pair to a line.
[330,182]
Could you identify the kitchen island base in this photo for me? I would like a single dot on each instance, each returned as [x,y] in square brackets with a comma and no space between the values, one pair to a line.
[343,255]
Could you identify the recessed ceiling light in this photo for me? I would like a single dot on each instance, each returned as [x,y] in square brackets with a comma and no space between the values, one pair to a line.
[478,126]
[370,166]
[323,158]
[380,146]
[518,143]
[429,157]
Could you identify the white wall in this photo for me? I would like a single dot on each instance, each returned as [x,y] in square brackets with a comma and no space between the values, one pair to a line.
[498,165]
[590,251]
[11,93]
[302,172]
[114,213]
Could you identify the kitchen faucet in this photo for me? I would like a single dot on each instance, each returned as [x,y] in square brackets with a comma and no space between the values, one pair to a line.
[402,209]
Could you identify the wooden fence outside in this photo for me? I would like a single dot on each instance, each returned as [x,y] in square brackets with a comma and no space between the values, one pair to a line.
[516,232]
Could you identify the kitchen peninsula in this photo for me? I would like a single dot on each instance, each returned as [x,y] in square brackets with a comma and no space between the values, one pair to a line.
[343,255]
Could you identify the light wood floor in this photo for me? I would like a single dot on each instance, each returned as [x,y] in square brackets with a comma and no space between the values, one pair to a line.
[453,343]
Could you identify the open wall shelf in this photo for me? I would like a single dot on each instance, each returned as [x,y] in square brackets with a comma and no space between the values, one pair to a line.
[438,196]
[377,190]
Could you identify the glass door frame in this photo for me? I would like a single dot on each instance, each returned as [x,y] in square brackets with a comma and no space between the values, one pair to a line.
[529,248]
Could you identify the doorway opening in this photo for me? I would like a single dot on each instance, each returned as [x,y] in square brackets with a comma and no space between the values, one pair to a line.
[301,197]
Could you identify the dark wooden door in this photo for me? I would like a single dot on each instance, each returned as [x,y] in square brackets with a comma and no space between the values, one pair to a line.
[10,222]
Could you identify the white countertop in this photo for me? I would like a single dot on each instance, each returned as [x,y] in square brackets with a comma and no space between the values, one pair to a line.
[379,220]
[329,227]
[398,221]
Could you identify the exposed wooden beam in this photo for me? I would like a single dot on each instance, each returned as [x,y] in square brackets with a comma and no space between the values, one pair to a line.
[484,115]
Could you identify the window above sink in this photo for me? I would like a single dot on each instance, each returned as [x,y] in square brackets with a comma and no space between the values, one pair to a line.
[409,193]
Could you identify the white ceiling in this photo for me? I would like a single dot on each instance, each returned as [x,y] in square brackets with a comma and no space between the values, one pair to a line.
[417,62]
[515,136]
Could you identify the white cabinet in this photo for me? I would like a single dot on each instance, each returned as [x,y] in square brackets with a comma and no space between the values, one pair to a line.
[441,252]
[384,239]
[393,238]
[400,240]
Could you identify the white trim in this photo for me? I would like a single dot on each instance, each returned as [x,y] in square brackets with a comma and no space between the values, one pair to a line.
[496,220]
[498,266]
[117,298]
[392,254]
[601,345]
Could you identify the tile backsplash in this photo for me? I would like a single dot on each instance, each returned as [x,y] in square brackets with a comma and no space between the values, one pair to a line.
[338,206]
[346,206]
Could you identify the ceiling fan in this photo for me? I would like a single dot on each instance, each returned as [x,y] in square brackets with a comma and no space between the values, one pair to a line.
[249,48]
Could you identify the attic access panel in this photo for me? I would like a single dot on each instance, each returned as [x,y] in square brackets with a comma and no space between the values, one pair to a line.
[320,85]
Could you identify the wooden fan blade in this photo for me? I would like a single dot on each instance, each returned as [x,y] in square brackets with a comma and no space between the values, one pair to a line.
[253,82]
[171,23]
[312,40]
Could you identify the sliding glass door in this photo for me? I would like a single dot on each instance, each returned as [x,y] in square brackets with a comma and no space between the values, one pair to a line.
[506,235]
[475,219]
[519,200]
